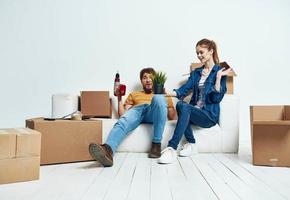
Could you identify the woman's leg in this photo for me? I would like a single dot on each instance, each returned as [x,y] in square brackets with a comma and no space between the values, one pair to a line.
[199,118]
[183,112]
[188,134]
[187,115]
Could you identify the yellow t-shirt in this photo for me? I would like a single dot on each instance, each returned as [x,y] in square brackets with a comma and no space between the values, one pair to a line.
[137,98]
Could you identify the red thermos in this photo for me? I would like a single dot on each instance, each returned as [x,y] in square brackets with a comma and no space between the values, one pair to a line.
[116,83]
[121,88]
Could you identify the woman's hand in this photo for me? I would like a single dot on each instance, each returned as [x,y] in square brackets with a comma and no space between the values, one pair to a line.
[169,94]
[220,73]
[223,72]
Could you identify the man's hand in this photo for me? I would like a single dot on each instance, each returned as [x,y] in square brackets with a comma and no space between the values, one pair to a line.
[118,94]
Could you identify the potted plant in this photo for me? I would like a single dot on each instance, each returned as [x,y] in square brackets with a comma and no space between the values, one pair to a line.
[159,79]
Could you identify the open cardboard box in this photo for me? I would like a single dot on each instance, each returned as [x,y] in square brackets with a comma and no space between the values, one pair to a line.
[230,78]
[270,133]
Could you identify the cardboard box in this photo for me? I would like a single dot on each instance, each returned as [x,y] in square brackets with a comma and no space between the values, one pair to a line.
[96,104]
[66,140]
[230,78]
[270,134]
[19,169]
[19,155]
[7,144]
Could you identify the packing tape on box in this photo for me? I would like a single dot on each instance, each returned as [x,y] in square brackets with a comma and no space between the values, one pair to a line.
[22,130]
[3,132]
[64,104]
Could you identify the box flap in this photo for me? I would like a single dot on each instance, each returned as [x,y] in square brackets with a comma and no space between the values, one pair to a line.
[272,122]
[30,123]
[287,112]
[267,113]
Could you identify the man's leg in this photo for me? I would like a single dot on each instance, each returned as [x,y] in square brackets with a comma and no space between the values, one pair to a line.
[128,122]
[157,114]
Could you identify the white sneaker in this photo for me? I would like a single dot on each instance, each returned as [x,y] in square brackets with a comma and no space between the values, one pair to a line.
[188,149]
[168,155]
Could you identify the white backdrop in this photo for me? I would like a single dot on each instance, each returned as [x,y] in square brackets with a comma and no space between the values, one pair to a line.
[65,46]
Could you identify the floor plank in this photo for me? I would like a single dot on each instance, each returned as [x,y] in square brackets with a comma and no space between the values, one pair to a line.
[179,186]
[120,186]
[160,188]
[140,187]
[101,184]
[218,185]
[234,178]
[198,183]
[272,185]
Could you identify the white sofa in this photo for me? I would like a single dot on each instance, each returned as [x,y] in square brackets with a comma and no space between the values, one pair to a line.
[220,138]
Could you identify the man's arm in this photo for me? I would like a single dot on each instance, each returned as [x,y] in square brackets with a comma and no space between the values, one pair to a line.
[171,113]
[121,108]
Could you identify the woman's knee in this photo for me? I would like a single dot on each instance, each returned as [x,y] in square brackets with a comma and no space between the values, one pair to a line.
[181,106]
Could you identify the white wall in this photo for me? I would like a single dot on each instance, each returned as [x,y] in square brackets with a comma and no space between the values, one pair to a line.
[64,46]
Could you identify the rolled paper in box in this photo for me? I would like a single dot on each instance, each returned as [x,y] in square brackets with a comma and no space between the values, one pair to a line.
[64,104]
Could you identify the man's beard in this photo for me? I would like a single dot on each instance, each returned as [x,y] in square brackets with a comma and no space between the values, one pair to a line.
[147,91]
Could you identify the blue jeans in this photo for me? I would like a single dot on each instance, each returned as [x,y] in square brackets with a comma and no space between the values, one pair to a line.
[155,113]
[188,115]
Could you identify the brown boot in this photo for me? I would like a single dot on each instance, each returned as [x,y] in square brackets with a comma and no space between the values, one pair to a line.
[102,153]
[155,151]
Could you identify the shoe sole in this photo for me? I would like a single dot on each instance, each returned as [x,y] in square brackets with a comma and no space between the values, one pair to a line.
[99,155]
[153,156]
[166,162]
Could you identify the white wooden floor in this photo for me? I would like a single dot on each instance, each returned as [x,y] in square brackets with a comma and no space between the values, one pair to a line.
[136,177]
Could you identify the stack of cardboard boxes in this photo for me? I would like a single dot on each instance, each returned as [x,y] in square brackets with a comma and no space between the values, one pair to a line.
[19,155]
[52,141]
[68,140]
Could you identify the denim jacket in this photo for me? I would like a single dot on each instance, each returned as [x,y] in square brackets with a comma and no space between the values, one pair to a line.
[212,96]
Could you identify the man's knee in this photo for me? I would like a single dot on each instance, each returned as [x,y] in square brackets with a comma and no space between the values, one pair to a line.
[159,100]
[121,123]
